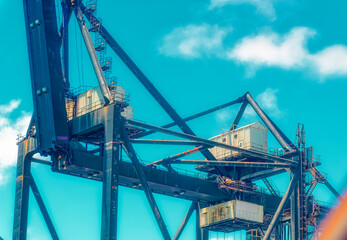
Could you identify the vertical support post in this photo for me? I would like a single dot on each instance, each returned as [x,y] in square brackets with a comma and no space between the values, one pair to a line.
[282,204]
[201,234]
[111,173]
[239,115]
[267,122]
[139,171]
[294,216]
[65,45]
[185,221]
[43,209]
[92,54]
[20,220]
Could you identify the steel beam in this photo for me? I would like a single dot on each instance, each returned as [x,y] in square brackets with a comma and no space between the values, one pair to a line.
[143,79]
[110,185]
[172,158]
[315,173]
[43,209]
[26,149]
[140,173]
[185,220]
[92,54]
[211,110]
[42,161]
[232,163]
[212,143]
[65,45]
[239,115]
[165,142]
[282,204]
[267,122]
[201,234]
[261,174]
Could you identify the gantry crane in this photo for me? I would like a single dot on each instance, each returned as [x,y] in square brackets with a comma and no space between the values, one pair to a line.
[90,144]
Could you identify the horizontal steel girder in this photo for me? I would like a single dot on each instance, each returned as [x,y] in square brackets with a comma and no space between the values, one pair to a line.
[213,143]
[232,163]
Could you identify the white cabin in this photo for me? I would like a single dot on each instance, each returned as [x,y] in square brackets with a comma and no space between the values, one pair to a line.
[251,137]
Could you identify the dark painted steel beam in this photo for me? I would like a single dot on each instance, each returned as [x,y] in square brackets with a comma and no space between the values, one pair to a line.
[140,173]
[26,149]
[46,75]
[110,181]
[315,173]
[42,161]
[185,220]
[281,206]
[267,122]
[142,78]
[239,115]
[261,174]
[165,142]
[210,142]
[232,163]
[201,233]
[211,110]
[43,209]
[171,158]
[92,54]
[65,44]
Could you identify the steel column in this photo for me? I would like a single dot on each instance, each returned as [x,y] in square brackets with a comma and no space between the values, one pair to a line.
[185,220]
[282,204]
[65,45]
[239,115]
[43,209]
[92,54]
[201,234]
[111,173]
[139,171]
[20,220]
[267,122]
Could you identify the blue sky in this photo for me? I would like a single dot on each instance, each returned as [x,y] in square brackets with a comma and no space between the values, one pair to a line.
[290,55]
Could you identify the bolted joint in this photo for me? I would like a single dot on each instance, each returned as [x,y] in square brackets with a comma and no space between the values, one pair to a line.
[35,24]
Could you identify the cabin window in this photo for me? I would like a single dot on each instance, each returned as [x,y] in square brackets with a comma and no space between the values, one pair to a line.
[224,139]
[241,144]
[235,136]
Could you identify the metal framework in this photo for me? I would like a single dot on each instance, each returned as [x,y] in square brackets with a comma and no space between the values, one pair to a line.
[110,134]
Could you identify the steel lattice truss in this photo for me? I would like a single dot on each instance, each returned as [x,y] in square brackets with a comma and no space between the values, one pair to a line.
[50,134]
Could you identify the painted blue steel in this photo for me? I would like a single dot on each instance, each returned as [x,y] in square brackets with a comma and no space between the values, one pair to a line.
[195,116]
[110,181]
[140,173]
[143,79]
[283,203]
[46,75]
[185,220]
[239,114]
[43,209]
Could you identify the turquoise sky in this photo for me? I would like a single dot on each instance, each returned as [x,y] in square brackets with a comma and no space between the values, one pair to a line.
[290,55]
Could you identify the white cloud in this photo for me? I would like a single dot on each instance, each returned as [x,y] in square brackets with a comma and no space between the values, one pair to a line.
[331,60]
[4,109]
[193,41]
[264,7]
[272,49]
[289,51]
[9,129]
